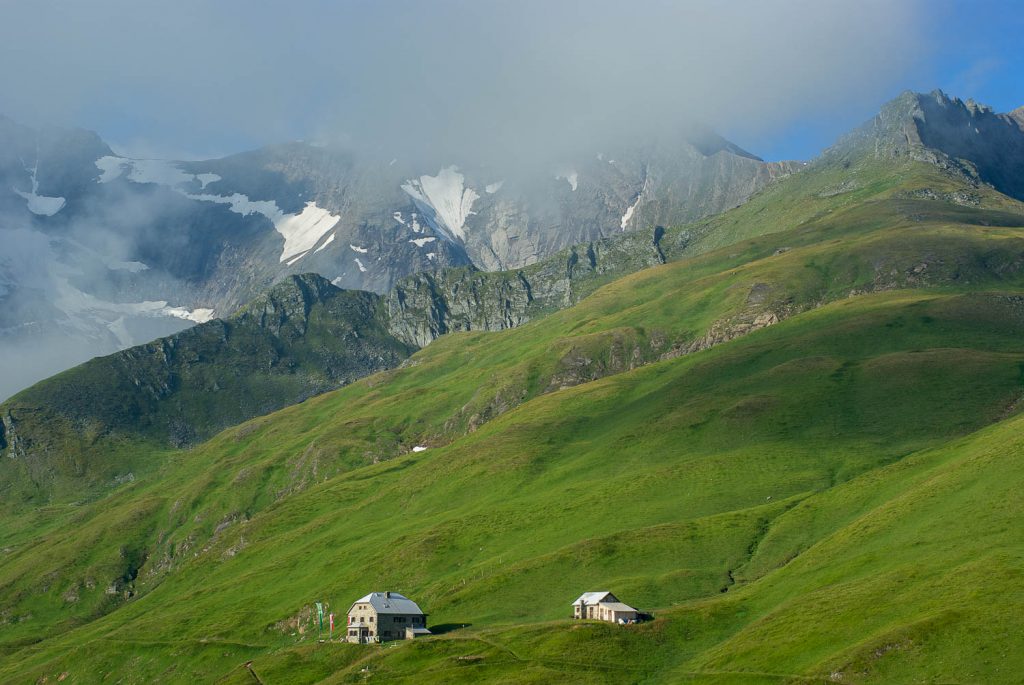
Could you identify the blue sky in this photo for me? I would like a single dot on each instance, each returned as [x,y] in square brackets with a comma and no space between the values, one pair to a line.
[197,78]
[973,49]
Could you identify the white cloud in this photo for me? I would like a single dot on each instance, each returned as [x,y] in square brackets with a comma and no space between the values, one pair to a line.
[503,78]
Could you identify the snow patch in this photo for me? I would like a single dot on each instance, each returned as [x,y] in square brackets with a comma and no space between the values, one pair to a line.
[356,248]
[360,265]
[112,168]
[416,227]
[158,171]
[632,208]
[431,256]
[420,242]
[241,204]
[398,217]
[207,179]
[492,188]
[330,239]
[301,232]
[39,204]
[446,198]
[629,214]
[304,230]
[571,177]
[419,448]
[201,315]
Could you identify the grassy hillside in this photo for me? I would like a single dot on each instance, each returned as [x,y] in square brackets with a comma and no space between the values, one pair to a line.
[797,450]
[735,492]
[892,223]
[82,431]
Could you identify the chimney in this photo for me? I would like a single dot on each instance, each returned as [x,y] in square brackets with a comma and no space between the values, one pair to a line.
[387,595]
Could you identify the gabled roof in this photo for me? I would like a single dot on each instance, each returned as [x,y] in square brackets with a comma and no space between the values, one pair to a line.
[389,603]
[588,598]
[617,606]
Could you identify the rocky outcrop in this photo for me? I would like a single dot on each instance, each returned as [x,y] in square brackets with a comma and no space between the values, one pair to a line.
[425,306]
[964,138]
[288,303]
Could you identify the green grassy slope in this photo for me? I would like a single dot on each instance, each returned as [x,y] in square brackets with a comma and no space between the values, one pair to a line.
[752,468]
[759,490]
[82,430]
[91,423]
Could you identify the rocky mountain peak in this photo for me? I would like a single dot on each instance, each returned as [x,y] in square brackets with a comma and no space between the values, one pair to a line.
[964,137]
[1018,116]
[708,143]
[289,302]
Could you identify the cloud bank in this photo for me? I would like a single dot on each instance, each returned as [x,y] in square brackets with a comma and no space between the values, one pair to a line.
[494,79]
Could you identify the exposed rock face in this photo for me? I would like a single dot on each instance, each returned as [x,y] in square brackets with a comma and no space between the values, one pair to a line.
[669,183]
[288,304]
[113,252]
[965,138]
[988,144]
[1018,116]
[4,420]
[424,306]
[691,182]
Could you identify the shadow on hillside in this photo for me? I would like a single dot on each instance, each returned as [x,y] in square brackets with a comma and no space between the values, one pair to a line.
[448,628]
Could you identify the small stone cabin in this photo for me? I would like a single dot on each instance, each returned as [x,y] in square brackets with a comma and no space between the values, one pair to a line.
[604,606]
[382,616]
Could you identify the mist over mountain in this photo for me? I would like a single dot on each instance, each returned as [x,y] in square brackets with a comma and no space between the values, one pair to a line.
[105,252]
[707,314]
[306,336]
[511,130]
[531,83]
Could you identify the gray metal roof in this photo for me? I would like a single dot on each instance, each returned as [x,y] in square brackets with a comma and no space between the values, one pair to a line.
[389,603]
[617,606]
[590,598]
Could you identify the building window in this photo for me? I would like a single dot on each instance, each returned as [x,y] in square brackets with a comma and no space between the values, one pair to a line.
[371,619]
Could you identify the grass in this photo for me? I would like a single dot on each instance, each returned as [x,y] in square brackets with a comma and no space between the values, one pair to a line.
[84,429]
[831,497]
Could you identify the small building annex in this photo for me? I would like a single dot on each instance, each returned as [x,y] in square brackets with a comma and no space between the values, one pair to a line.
[603,606]
[382,616]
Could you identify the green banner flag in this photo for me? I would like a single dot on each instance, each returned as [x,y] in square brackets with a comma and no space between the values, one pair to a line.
[320,614]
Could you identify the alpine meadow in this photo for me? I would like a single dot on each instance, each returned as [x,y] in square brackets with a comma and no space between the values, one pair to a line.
[766,417]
